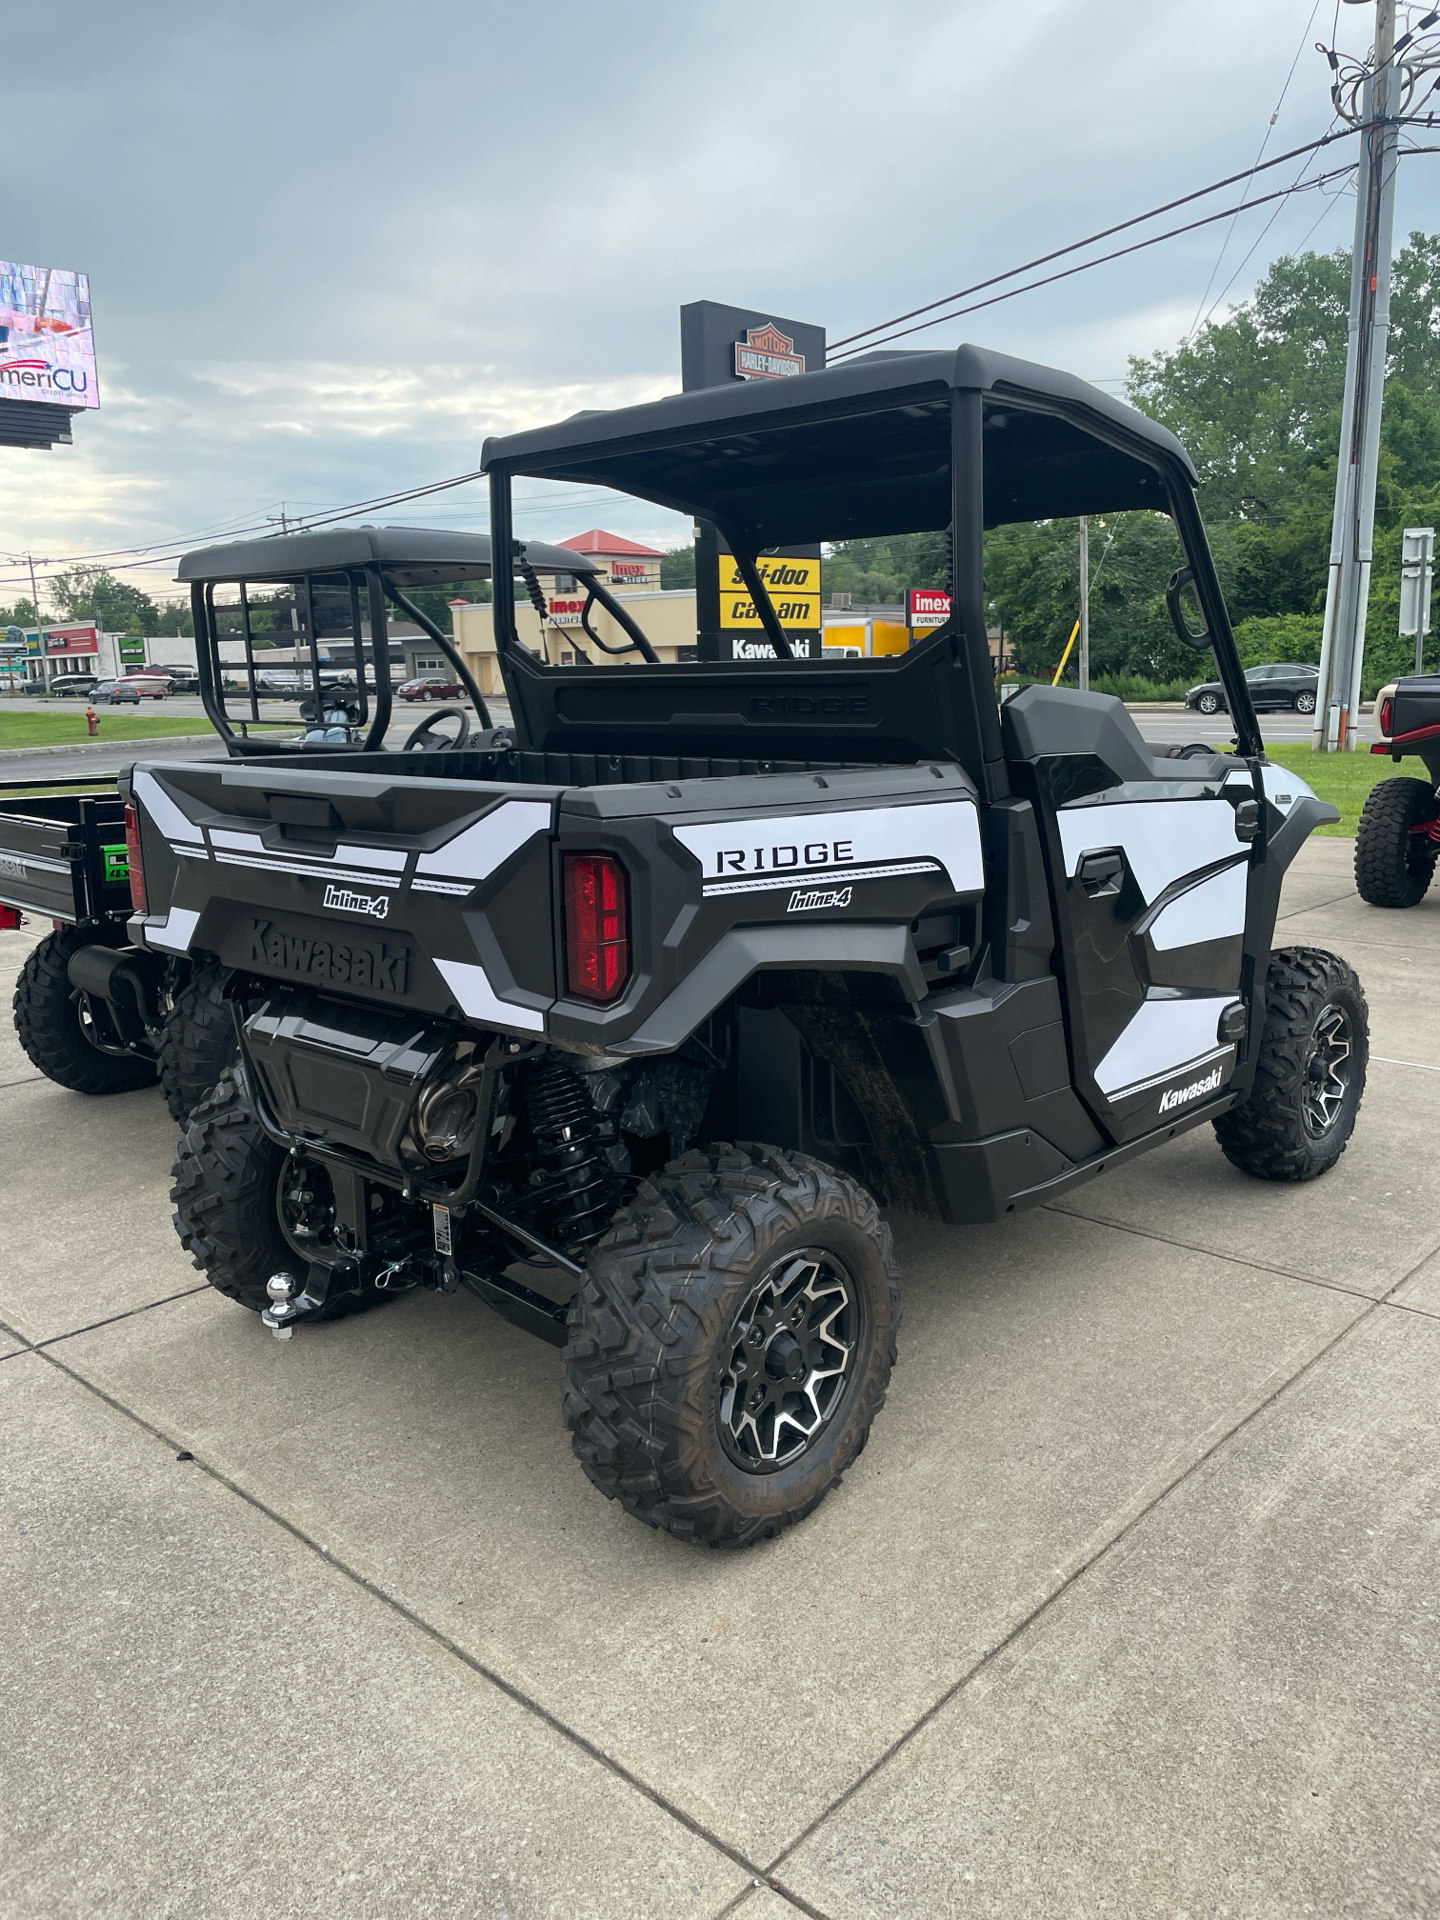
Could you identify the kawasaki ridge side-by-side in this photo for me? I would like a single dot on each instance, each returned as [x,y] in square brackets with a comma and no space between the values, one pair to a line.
[631,1016]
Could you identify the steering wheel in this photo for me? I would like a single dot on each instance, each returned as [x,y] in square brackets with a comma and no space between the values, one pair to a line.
[445,742]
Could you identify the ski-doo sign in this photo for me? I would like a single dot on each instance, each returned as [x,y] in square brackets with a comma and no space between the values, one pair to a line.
[767,354]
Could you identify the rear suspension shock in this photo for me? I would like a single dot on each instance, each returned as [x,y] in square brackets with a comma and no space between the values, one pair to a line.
[581,1194]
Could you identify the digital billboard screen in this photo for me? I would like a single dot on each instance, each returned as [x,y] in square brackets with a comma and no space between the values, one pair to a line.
[47,348]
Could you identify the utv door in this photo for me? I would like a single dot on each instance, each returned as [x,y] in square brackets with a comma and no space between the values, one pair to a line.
[1148,873]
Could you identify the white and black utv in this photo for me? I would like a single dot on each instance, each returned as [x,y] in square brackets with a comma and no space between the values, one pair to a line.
[630,1016]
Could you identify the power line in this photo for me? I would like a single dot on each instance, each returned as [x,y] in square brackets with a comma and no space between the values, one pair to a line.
[1265,141]
[1105,233]
[1138,246]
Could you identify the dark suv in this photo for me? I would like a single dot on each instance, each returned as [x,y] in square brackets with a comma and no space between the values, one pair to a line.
[1287,686]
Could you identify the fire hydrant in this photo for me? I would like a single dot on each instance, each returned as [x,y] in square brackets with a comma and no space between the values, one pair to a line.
[92,720]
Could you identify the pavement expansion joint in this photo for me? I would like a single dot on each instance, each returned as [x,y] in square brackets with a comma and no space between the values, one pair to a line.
[130,1313]
[1420,1066]
[423,1626]
[1315,906]
[1101,1552]
[1232,1259]
[23,1081]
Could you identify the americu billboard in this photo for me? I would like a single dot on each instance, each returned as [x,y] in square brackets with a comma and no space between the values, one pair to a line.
[47,349]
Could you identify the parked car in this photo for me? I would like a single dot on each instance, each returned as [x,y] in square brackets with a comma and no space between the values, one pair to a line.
[431,686]
[1290,686]
[182,680]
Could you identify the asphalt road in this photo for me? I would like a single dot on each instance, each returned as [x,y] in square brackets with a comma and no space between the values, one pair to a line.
[1130,1607]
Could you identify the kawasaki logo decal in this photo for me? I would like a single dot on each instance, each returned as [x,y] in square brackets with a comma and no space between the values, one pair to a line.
[381,968]
[375,904]
[1178,1096]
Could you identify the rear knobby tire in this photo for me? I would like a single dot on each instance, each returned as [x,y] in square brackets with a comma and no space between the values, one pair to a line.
[226,1186]
[1310,1074]
[199,1041]
[650,1367]
[50,1022]
[1389,872]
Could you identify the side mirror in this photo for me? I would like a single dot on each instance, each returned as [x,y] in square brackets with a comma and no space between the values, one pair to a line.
[1179,580]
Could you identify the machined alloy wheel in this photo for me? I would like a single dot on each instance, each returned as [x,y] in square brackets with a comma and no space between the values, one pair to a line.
[731,1343]
[1309,1073]
[1304,703]
[1208,703]
[786,1360]
[1327,1072]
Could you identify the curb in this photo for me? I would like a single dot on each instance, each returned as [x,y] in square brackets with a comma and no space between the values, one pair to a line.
[107,746]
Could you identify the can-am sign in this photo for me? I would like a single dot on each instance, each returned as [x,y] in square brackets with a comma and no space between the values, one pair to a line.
[47,348]
[767,354]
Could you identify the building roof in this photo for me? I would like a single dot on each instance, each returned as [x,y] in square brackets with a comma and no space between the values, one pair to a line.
[598,541]
[863,448]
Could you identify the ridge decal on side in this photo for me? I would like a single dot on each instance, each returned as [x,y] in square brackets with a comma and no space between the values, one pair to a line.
[756,855]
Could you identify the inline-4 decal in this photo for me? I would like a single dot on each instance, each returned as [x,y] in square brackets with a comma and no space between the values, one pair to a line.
[346,900]
[759,854]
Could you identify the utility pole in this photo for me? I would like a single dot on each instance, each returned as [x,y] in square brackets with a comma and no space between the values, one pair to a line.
[1084,603]
[39,630]
[1342,648]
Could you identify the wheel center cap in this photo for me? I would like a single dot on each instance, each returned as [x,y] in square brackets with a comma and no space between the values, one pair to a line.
[785,1357]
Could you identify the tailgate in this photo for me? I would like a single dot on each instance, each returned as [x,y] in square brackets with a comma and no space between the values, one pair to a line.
[432,894]
[62,856]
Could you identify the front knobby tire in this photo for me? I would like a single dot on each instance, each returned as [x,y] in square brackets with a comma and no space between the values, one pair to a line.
[199,1041]
[1394,864]
[732,1342]
[51,1021]
[245,1210]
[1310,1075]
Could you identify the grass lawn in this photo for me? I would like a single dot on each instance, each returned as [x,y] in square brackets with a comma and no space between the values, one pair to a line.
[1342,778]
[66,729]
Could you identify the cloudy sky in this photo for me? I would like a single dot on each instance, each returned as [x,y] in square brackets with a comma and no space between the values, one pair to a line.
[331,247]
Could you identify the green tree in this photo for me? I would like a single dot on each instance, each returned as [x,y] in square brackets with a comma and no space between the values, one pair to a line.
[90,593]
[677,569]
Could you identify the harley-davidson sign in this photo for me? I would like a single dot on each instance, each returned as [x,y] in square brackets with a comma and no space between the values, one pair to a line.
[767,354]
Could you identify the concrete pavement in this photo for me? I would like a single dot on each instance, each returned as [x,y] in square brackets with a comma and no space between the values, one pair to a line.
[1129,1607]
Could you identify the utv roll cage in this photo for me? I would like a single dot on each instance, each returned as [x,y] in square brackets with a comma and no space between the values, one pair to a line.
[339,583]
[889,443]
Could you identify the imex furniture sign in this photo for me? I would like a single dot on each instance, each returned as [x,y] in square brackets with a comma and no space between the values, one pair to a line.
[47,348]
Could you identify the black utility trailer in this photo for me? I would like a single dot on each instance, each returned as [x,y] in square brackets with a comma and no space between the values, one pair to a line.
[94,1013]
[1398,838]
[630,1016]
[100,1015]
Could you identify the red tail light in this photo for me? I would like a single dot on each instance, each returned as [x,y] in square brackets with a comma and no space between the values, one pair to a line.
[597,938]
[132,857]
[1387,714]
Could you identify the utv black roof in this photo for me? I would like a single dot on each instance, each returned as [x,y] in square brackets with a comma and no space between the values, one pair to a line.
[411,556]
[864,448]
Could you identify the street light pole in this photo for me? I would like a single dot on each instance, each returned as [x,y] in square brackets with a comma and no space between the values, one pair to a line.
[1342,648]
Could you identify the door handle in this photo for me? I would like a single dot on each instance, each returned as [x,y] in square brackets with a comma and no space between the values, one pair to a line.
[1247,820]
[1101,874]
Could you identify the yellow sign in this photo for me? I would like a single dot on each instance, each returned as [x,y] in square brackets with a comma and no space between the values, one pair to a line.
[793,584]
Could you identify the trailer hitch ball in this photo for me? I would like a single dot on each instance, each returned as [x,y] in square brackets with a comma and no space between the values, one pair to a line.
[281,1313]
